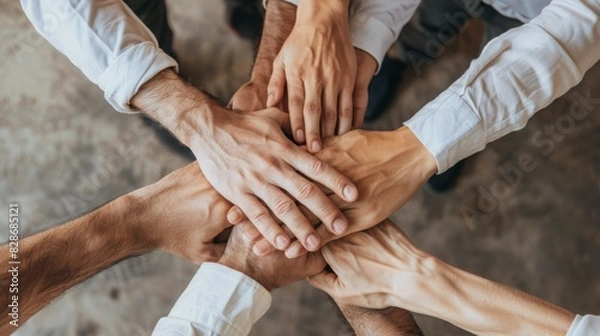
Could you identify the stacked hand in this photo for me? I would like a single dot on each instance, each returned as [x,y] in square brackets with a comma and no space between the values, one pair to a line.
[316,68]
[387,167]
[272,271]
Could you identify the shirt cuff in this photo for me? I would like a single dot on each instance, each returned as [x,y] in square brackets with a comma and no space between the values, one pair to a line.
[220,299]
[449,129]
[372,36]
[585,326]
[134,67]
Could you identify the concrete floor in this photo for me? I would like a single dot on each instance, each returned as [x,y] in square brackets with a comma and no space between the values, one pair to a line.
[540,234]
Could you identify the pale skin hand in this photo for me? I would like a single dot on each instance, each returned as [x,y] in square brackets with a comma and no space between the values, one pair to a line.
[248,159]
[181,214]
[316,68]
[381,268]
[272,271]
[388,168]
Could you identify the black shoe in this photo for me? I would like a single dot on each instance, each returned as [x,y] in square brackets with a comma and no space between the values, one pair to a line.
[382,89]
[447,179]
[168,139]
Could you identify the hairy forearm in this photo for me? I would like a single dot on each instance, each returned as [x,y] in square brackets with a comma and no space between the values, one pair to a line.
[380,322]
[484,307]
[279,22]
[57,259]
[175,104]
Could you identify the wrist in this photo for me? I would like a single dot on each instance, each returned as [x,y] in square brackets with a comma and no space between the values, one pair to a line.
[405,140]
[244,268]
[176,104]
[123,230]
[313,11]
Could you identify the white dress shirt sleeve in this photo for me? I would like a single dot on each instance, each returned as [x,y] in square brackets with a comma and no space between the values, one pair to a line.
[587,325]
[517,74]
[219,301]
[105,40]
[375,24]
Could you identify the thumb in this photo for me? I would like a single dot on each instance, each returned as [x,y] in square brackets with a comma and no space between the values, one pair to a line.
[235,215]
[326,281]
[281,118]
[276,87]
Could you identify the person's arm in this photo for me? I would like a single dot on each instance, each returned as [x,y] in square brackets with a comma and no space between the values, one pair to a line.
[381,268]
[228,297]
[180,214]
[116,51]
[279,20]
[380,322]
[105,40]
[517,74]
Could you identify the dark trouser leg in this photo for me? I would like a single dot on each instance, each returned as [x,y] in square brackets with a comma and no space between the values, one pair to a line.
[153,14]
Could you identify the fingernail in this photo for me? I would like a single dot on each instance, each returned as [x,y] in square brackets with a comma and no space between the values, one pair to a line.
[293,252]
[316,146]
[281,241]
[269,100]
[235,215]
[339,226]
[260,248]
[350,192]
[300,136]
[312,242]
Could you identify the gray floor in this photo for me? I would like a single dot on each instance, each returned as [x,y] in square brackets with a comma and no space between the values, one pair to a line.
[540,233]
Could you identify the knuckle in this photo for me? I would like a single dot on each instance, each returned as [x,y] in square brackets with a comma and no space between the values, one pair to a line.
[306,190]
[330,116]
[346,112]
[296,101]
[258,215]
[318,167]
[313,108]
[283,206]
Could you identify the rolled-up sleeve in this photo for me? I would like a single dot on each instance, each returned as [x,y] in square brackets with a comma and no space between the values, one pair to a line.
[219,301]
[517,74]
[105,40]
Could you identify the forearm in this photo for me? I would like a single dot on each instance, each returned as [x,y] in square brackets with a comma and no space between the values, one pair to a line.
[174,103]
[57,259]
[380,322]
[279,22]
[528,68]
[483,307]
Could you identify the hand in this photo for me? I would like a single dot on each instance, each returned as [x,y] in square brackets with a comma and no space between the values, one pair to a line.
[381,268]
[317,65]
[273,271]
[252,96]
[248,159]
[366,67]
[377,268]
[387,167]
[182,214]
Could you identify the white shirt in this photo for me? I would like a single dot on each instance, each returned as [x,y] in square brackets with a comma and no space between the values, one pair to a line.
[587,325]
[116,51]
[522,10]
[517,74]
[219,301]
